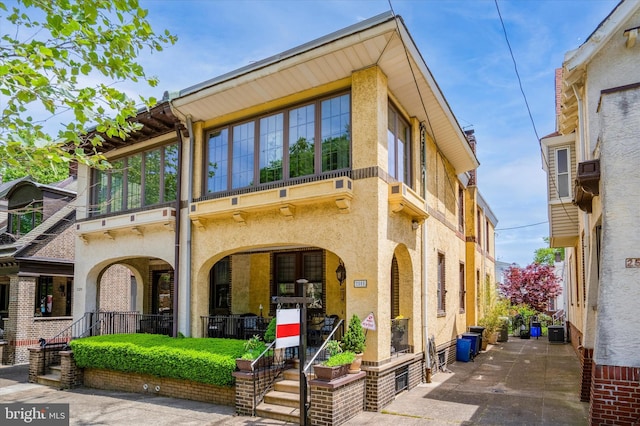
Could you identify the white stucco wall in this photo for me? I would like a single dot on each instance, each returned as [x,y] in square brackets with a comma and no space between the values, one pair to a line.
[601,75]
[617,341]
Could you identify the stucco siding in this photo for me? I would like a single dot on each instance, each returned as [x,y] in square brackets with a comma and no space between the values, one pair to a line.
[620,156]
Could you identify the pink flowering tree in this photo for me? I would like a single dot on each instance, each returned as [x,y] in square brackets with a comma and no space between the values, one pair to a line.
[534,285]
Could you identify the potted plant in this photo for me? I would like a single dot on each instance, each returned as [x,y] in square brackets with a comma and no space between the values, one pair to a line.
[336,366]
[252,350]
[354,341]
[270,332]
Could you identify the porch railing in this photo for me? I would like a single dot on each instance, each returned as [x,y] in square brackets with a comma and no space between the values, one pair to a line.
[267,368]
[241,327]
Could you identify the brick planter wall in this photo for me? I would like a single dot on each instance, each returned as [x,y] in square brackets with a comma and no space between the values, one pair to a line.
[381,380]
[36,363]
[174,388]
[244,390]
[615,395]
[71,376]
[334,403]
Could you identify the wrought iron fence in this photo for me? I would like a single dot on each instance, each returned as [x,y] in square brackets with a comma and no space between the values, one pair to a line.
[241,327]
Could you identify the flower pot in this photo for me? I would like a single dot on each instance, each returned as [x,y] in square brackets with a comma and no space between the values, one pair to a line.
[244,364]
[493,338]
[355,365]
[327,374]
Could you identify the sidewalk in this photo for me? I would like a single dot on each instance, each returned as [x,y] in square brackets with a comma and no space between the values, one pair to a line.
[519,382]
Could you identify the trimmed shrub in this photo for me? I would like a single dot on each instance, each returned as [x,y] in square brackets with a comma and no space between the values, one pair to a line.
[200,360]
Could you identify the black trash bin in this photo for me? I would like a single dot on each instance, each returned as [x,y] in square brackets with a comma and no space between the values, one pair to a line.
[477,329]
[503,332]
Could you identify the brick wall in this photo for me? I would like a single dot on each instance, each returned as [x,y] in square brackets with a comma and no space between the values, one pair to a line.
[71,375]
[586,365]
[61,247]
[244,390]
[115,289]
[380,384]
[174,388]
[337,401]
[615,395]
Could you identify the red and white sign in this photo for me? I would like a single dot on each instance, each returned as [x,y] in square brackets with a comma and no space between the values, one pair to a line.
[287,328]
[369,323]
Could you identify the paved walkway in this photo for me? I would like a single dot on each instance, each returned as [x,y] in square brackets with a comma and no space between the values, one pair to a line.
[519,382]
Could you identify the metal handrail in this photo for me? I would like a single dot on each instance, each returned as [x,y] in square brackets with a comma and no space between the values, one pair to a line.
[321,348]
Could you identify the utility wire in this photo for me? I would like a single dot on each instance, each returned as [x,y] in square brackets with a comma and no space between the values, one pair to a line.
[533,124]
[522,226]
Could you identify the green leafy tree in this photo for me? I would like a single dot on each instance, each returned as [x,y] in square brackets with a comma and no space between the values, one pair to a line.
[547,255]
[63,58]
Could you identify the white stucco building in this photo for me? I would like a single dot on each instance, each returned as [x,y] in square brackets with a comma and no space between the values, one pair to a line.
[592,165]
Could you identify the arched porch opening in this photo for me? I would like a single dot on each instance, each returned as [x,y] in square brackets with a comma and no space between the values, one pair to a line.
[404,311]
[243,282]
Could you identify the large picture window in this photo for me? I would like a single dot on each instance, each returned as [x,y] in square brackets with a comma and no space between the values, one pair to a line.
[139,180]
[399,147]
[53,296]
[281,146]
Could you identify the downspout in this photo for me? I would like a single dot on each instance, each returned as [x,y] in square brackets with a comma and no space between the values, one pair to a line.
[189,226]
[585,218]
[176,268]
[425,311]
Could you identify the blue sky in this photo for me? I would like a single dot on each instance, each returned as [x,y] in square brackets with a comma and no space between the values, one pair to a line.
[462,43]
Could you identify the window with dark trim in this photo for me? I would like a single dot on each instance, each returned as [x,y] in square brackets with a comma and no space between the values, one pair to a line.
[282,145]
[292,266]
[399,147]
[162,292]
[220,287]
[53,296]
[395,288]
[139,180]
[461,209]
[463,289]
[442,288]
[22,219]
[479,228]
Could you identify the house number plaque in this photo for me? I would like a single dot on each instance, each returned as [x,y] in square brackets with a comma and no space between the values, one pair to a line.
[360,283]
[632,262]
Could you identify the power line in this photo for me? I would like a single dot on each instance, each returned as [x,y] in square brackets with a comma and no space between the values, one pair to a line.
[526,102]
[522,226]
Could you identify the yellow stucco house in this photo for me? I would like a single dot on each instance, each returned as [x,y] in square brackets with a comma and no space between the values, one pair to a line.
[340,153]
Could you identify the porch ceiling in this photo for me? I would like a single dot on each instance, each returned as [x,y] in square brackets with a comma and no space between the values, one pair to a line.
[382,41]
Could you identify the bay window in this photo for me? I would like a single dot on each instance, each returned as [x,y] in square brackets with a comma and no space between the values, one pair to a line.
[281,145]
[139,180]
[399,147]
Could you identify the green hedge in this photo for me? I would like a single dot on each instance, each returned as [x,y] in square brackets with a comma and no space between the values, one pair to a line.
[200,360]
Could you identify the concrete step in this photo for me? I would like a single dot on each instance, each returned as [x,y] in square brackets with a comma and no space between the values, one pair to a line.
[290,386]
[52,379]
[55,367]
[278,412]
[286,399]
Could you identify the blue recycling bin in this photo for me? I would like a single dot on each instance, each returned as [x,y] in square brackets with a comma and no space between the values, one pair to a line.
[536,329]
[463,350]
[475,342]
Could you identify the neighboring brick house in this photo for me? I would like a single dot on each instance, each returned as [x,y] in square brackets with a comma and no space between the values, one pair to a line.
[592,165]
[36,263]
